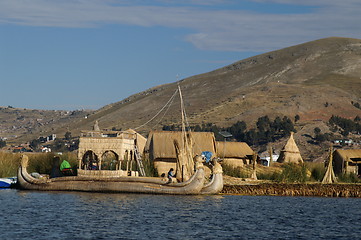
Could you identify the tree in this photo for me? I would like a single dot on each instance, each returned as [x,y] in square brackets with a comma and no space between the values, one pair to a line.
[67,136]
[297,118]
[321,137]
[59,146]
[317,130]
[287,125]
[2,143]
[35,144]
[197,128]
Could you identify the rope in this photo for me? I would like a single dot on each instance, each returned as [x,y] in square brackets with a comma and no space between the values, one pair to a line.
[159,111]
[169,105]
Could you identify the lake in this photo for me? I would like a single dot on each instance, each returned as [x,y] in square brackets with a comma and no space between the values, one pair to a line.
[76,215]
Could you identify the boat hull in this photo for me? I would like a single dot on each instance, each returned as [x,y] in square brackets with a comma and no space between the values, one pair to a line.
[214,186]
[116,185]
[7,182]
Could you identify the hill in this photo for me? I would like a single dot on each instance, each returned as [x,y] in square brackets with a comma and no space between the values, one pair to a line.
[20,125]
[314,80]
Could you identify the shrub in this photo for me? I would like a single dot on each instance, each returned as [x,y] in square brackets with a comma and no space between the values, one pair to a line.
[348,178]
[269,176]
[317,170]
[293,173]
[149,169]
[38,162]
[237,172]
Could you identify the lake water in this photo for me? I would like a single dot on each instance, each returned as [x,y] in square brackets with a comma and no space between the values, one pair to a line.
[74,215]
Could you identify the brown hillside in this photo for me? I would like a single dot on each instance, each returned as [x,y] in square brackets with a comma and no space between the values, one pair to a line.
[314,79]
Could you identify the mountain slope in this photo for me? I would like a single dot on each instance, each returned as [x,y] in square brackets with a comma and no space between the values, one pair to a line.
[314,80]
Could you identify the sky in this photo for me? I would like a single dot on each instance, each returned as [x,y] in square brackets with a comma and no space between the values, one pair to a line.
[85,54]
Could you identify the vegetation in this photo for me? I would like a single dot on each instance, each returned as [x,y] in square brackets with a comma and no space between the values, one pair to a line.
[9,163]
[292,173]
[265,131]
[149,168]
[297,118]
[38,162]
[322,137]
[2,143]
[348,178]
[317,170]
[345,125]
[237,172]
[356,104]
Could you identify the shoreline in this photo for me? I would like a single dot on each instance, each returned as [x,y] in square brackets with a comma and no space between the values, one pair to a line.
[294,189]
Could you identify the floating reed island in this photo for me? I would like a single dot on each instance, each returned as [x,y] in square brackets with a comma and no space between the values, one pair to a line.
[295,189]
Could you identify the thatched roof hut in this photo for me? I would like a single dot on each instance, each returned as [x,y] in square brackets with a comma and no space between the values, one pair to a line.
[235,154]
[160,147]
[347,161]
[290,152]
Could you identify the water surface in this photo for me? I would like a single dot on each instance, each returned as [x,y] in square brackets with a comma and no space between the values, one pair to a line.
[75,215]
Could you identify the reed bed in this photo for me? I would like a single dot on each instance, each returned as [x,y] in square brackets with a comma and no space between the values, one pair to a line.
[38,162]
[9,163]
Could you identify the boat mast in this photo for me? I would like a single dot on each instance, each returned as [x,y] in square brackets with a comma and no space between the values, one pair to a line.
[184,136]
[182,111]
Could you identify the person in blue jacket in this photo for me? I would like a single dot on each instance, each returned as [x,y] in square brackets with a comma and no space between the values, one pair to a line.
[171,175]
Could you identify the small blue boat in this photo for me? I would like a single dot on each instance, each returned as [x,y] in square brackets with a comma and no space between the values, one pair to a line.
[7,182]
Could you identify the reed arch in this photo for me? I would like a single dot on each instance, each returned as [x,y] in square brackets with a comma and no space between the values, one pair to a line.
[110,160]
[90,161]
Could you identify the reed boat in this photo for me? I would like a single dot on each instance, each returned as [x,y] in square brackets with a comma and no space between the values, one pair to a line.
[190,172]
[127,184]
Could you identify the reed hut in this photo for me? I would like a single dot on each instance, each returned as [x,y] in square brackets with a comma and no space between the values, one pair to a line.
[160,149]
[290,152]
[347,161]
[235,154]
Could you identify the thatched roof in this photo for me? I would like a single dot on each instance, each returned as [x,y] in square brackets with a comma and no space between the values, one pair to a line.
[349,154]
[160,144]
[233,149]
[290,152]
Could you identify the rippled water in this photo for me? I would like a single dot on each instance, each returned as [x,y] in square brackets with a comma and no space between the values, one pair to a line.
[73,215]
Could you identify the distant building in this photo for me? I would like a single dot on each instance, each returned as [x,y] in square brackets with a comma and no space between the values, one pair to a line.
[235,154]
[45,149]
[51,137]
[347,161]
[265,161]
[20,149]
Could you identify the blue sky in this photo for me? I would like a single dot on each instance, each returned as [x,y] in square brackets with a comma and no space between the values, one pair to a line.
[84,54]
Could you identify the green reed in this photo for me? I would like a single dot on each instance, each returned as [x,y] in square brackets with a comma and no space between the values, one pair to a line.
[38,162]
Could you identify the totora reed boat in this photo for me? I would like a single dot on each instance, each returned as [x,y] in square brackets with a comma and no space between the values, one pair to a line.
[126,184]
[190,171]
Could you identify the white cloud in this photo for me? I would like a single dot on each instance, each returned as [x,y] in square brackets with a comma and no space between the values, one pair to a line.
[233,30]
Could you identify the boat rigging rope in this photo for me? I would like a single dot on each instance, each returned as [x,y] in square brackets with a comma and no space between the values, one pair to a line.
[170,100]
[169,105]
